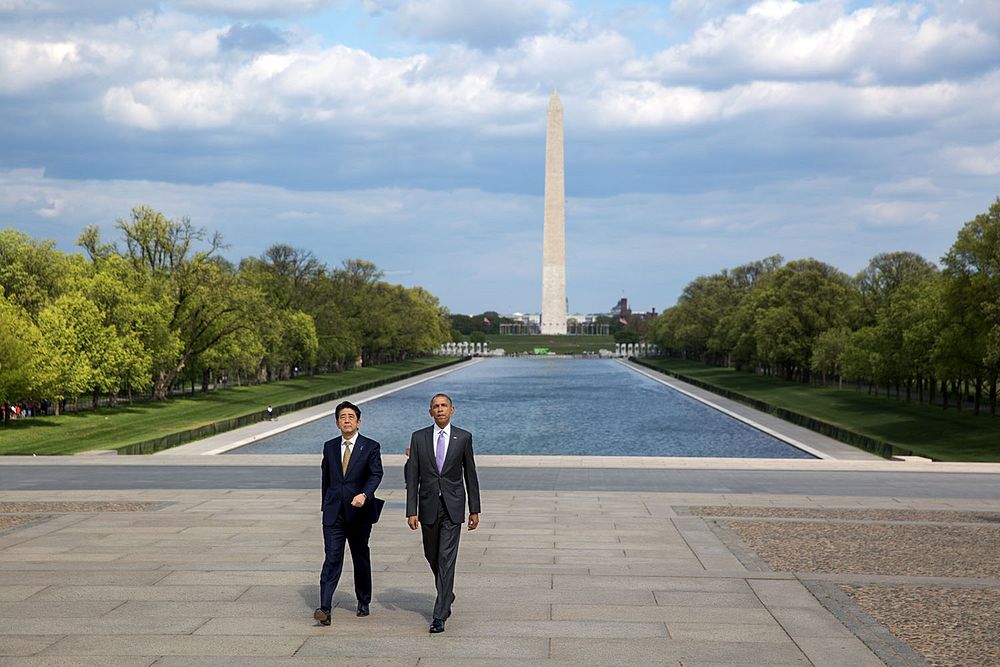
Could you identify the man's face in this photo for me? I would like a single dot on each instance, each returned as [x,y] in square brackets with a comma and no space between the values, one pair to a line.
[441,411]
[348,423]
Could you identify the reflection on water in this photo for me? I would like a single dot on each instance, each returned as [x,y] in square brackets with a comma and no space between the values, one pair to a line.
[551,406]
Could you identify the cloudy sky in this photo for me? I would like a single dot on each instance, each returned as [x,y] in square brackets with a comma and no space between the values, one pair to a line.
[700,134]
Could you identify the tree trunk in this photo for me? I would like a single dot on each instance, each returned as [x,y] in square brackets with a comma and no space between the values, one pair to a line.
[205,377]
[165,381]
[979,395]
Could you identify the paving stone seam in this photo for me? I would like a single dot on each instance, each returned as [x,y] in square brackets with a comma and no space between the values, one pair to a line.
[694,550]
[889,648]
[781,625]
[299,647]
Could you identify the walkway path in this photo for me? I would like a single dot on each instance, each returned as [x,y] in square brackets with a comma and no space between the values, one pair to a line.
[228,577]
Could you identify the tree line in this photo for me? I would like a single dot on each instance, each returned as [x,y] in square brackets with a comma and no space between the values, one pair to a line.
[162,306]
[903,323]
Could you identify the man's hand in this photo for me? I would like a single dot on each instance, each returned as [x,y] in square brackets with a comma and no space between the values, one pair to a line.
[473,521]
[359,500]
[413,522]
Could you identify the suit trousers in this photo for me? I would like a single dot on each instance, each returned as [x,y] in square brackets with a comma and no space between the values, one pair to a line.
[441,551]
[356,535]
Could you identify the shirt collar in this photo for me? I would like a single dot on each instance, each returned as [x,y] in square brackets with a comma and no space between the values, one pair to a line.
[344,441]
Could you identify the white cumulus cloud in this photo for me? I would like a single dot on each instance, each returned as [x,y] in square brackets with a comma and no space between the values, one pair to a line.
[787,40]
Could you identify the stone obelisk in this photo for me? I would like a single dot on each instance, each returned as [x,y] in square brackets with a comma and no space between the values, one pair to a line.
[554,236]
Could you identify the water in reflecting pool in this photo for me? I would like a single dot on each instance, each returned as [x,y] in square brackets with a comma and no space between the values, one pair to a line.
[550,406]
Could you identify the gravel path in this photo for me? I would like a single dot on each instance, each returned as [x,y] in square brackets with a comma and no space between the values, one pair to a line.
[946,623]
[947,626]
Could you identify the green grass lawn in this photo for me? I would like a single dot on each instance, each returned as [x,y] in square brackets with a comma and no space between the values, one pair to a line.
[947,435]
[108,428]
[557,344]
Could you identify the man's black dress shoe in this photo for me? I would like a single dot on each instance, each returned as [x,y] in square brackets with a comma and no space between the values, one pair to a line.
[322,615]
[437,625]
[362,609]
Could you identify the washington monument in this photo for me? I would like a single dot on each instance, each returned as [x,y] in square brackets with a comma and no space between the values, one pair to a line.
[554,236]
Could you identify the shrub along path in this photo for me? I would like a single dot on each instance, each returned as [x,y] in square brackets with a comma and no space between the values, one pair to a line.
[114,428]
[947,435]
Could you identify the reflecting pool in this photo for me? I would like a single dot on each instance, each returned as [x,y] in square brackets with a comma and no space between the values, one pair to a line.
[550,406]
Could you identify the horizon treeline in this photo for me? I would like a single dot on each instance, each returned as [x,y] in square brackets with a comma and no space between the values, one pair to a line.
[161,306]
[902,323]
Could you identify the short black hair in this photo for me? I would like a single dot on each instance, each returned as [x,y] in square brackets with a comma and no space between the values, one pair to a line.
[349,406]
[450,402]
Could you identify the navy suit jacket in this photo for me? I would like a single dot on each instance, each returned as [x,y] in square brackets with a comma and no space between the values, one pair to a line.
[426,488]
[364,473]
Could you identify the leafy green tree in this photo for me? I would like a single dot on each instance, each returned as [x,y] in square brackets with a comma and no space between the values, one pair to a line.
[707,323]
[137,322]
[970,344]
[32,273]
[791,307]
[828,353]
[887,274]
[209,301]
[289,277]
[888,287]
[73,333]
[20,346]
[626,336]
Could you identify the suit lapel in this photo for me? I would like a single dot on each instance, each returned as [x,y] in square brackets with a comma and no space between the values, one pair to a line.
[429,447]
[336,458]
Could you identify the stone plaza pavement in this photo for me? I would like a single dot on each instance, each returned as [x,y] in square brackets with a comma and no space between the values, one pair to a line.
[133,573]
[206,577]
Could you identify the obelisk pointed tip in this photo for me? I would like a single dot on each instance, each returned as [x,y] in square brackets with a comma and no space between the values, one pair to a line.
[554,101]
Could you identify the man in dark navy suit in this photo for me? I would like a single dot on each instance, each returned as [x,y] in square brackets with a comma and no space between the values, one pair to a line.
[352,470]
[440,470]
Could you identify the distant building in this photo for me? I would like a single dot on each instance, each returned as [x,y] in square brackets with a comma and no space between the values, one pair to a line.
[624,314]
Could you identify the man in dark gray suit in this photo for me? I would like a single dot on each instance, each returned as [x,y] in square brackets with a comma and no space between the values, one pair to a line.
[440,469]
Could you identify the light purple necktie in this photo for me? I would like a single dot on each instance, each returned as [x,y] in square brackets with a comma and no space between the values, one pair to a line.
[439,454]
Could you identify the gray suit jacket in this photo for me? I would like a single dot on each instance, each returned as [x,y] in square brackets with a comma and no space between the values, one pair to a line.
[426,488]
